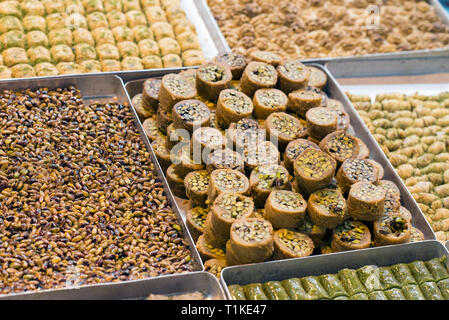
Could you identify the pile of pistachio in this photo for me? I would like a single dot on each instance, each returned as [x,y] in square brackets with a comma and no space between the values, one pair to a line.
[413,131]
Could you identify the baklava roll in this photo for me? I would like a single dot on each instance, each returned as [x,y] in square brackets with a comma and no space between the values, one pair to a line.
[175,182]
[283,128]
[315,232]
[190,115]
[291,244]
[237,292]
[206,140]
[318,78]
[332,285]
[268,101]
[320,122]
[174,88]
[294,149]
[196,184]
[343,117]
[265,57]
[137,102]
[254,291]
[215,266]
[226,208]
[275,291]
[151,129]
[391,229]
[257,75]
[225,159]
[314,288]
[294,289]
[245,132]
[232,106]
[162,153]
[227,180]
[356,170]
[164,119]
[350,281]
[301,101]
[285,209]
[416,235]
[259,154]
[314,170]
[366,201]
[211,79]
[350,235]
[293,75]
[340,146]
[186,163]
[207,251]
[327,208]
[251,240]
[195,221]
[236,62]
[150,93]
[266,178]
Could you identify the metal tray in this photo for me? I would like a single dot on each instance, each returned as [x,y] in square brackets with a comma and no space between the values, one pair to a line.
[104,88]
[433,53]
[134,289]
[209,36]
[334,90]
[331,263]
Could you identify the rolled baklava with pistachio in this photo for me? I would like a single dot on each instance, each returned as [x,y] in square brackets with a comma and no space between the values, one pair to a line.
[285,209]
[327,208]
[236,62]
[283,128]
[350,235]
[291,244]
[174,88]
[257,75]
[293,75]
[366,201]
[268,101]
[196,184]
[264,179]
[227,180]
[195,221]
[211,79]
[190,114]
[232,106]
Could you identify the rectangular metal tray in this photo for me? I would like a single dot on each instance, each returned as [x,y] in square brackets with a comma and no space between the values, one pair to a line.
[331,263]
[209,36]
[432,53]
[361,131]
[135,289]
[104,88]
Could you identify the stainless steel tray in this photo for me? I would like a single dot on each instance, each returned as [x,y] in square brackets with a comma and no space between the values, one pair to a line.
[433,53]
[134,289]
[104,88]
[331,263]
[209,36]
[334,90]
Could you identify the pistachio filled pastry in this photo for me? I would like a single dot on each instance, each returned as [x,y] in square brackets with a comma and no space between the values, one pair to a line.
[416,235]
[227,180]
[225,159]
[363,149]
[301,101]
[314,170]
[251,241]
[332,285]
[268,101]
[257,75]
[391,189]
[377,295]
[343,122]
[387,278]
[245,132]
[211,79]
[369,276]
[394,294]
[366,201]
[318,78]
[151,129]
[291,244]
[236,62]
[340,146]
[196,184]
[443,285]
[431,291]
[275,291]
[321,121]
[260,154]
[190,114]
[173,137]
[294,149]
[255,291]
[266,57]
[162,153]
[195,221]
[350,235]
[215,266]
[186,163]
[420,272]
[150,93]
[356,170]
[283,128]
[313,288]
[285,209]
[438,268]
[205,140]
[173,89]
[293,75]
[164,119]
[264,179]
[327,208]
[237,292]
[412,292]
[175,182]
[137,102]
[226,208]
[208,251]
[403,274]
[294,289]
[391,229]
[351,282]
[315,232]
[232,106]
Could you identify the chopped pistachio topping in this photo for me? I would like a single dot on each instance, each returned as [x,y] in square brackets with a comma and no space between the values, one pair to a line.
[271,98]
[341,145]
[360,170]
[262,153]
[263,73]
[226,159]
[215,269]
[152,86]
[295,241]
[313,163]
[350,231]
[367,191]
[271,177]
[212,72]
[178,84]
[236,100]
[294,150]
[229,181]
[394,225]
[390,188]
[267,55]
[289,200]
[331,201]
[216,251]
[306,226]
[192,111]
[293,69]
[199,216]
[234,206]
[285,124]
[198,180]
[231,59]
[252,230]
[321,115]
